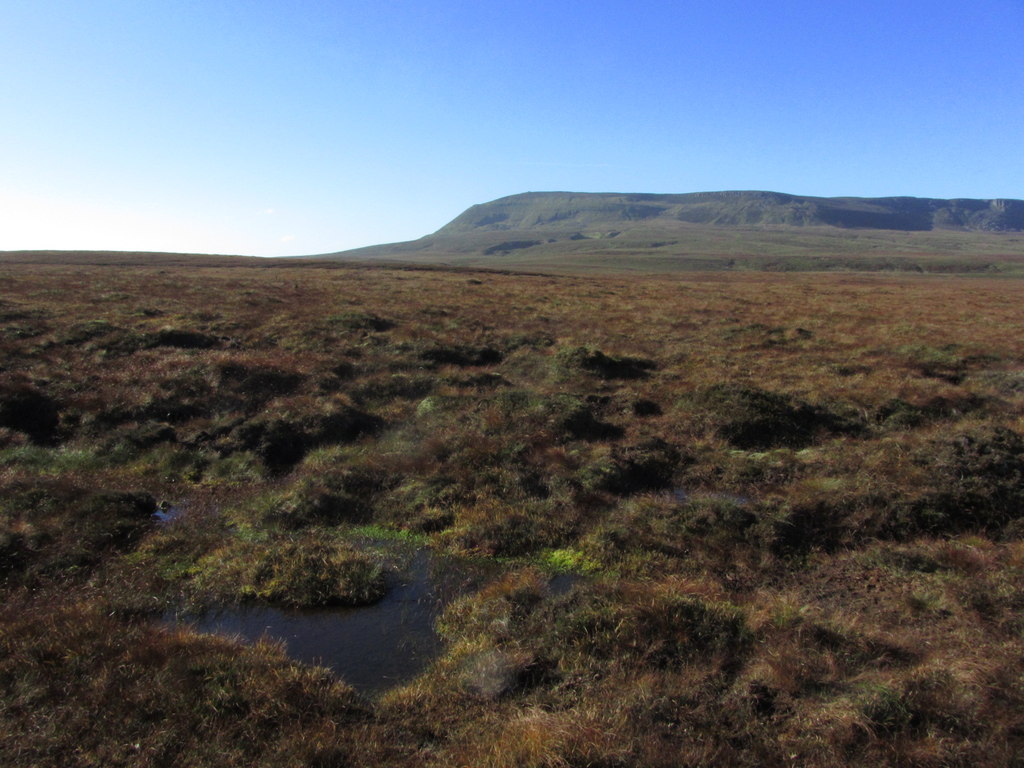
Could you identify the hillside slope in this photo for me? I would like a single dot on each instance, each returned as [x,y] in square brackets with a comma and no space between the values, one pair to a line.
[561,209]
[722,230]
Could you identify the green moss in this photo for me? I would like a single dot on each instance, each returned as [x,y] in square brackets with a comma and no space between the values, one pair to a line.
[389,534]
[569,560]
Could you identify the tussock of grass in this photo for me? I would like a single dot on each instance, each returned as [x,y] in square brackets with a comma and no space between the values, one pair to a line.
[299,572]
[176,697]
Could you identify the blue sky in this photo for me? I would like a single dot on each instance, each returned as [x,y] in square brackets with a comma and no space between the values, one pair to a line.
[273,127]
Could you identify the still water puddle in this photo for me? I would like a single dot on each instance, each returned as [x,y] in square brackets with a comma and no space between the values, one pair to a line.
[373,647]
[167,513]
[682,496]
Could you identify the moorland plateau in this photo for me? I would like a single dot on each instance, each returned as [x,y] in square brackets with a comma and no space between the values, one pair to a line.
[792,499]
[577,232]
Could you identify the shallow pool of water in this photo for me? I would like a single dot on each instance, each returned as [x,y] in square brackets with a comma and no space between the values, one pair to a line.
[371,647]
[168,513]
[681,495]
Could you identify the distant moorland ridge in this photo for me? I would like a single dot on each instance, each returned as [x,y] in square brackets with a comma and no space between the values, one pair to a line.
[736,208]
[721,230]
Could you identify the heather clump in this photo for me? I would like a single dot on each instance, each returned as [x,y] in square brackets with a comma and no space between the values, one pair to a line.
[563,415]
[26,409]
[254,385]
[588,360]
[755,419]
[656,625]
[282,438]
[356,320]
[338,495]
[645,466]
[52,529]
[182,338]
[978,482]
[462,356]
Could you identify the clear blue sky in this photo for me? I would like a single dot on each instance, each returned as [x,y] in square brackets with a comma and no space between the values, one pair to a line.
[273,127]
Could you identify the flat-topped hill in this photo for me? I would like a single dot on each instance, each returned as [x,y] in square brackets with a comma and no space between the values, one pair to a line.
[738,209]
[722,230]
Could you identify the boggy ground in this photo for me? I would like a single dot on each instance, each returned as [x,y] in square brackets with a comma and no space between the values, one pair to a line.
[797,500]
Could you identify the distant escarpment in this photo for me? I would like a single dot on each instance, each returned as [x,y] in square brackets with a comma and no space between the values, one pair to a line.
[739,209]
[569,231]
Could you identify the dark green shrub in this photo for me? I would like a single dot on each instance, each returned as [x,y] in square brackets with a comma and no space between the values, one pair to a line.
[755,419]
[535,340]
[887,710]
[509,535]
[578,418]
[182,339]
[344,496]
[359,321]
[597,363]
[425,501]
[385,389]
[652,625]
[936,362]
[461,355]
[301,571]
[647,524]
[562,415]
[898,413]
[257,385]
[644,407]
[24,408]
[661,528]
[87,331]
[646,466]
[978,483]
[282,441]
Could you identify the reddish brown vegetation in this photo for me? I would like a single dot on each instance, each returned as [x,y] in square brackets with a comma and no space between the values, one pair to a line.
[797,500]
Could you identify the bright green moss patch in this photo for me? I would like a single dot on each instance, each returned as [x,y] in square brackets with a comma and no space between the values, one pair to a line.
[569,560]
